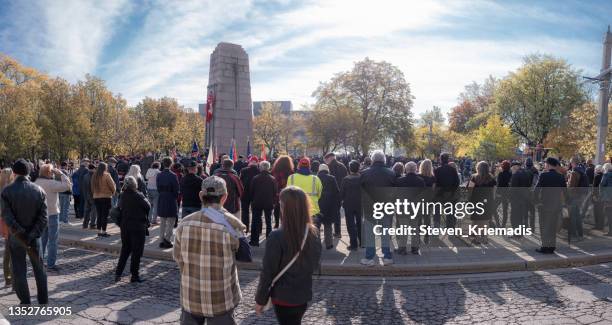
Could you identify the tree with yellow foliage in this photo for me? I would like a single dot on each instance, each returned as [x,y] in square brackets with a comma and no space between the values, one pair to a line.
[492,141]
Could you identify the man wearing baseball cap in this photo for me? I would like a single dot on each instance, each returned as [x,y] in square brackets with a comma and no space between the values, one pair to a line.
[205,245]
[24,209]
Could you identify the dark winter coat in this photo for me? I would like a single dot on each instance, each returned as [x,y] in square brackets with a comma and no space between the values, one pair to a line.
[134,209]
[338,170]
[168,188]
[483,193]
[263,191]
[350,193]
[24,209]
[191,185]
[551,190]
[246,176]
[329,202]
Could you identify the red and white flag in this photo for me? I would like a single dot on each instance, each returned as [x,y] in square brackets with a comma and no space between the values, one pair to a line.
[210,104]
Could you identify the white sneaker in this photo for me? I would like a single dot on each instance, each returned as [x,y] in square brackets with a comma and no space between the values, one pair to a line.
[387,261]
[367,262]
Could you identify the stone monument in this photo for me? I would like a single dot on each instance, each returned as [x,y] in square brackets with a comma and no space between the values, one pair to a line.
[230,83]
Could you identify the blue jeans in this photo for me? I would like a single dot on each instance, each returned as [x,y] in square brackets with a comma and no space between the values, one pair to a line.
[153,196]
[49,239]
[370,237]
[114,200]
[64,202]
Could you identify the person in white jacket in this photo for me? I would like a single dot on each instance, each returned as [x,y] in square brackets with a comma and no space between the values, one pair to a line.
[152,192]
[52,189]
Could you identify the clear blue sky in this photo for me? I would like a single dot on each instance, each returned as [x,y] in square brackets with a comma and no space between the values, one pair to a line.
[162,48]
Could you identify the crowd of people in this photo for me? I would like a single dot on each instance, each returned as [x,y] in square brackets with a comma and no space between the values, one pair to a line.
[223,209]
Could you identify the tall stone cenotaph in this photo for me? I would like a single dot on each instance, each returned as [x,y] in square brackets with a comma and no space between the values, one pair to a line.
[230,83]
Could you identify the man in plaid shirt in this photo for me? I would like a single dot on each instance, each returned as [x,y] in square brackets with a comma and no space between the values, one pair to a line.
[204,249]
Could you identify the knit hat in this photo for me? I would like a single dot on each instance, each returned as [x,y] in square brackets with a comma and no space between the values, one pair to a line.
[21,167]
[253,160]
[214,186]
[304,162]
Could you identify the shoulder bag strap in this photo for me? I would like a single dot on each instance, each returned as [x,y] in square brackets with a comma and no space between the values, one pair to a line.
[280,274]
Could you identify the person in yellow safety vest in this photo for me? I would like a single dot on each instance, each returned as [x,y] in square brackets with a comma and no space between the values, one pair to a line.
[311,184]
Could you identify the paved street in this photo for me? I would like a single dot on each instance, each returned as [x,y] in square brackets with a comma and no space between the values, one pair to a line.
[559,297]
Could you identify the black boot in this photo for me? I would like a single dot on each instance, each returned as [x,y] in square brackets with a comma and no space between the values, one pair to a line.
[136,279]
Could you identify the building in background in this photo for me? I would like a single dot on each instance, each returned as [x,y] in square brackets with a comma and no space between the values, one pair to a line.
[285,105]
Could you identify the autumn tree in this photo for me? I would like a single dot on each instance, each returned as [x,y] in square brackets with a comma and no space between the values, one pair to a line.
[268,126]
[377,93]
[491,141]
[474,106]
[20,104]
[539,97]
[59,120]
[578,134]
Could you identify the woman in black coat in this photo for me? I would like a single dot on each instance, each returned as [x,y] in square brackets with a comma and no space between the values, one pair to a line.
[329,204]
[133,222]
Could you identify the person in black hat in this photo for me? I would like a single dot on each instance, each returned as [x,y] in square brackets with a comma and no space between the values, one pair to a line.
[550,194]
[191,184]
[520,193]
[24,209]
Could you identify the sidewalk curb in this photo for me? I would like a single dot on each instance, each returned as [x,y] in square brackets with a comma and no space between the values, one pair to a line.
[554,262]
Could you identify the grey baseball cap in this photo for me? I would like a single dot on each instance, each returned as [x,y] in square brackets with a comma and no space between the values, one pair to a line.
[214,186]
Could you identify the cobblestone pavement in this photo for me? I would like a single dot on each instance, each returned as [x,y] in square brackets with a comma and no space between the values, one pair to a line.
[570,296]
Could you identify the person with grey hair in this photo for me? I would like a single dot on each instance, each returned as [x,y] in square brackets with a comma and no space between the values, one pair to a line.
[134,171]
[378,156]
[373,180]
[263,192]
[413,186]
[133,221]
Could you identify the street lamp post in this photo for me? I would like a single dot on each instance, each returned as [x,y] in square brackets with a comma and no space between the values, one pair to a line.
[604,96]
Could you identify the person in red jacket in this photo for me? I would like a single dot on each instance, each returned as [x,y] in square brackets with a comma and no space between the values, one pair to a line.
[235,188]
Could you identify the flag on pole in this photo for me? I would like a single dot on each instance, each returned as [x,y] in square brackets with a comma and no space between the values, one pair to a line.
[234,155]
[210,104]
[263,153]
[195,150]
[231,150]
[248,148]
[210,159]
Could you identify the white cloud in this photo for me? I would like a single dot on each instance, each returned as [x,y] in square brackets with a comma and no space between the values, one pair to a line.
[65,37]
[436,67]
[174,45]
[291,51]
